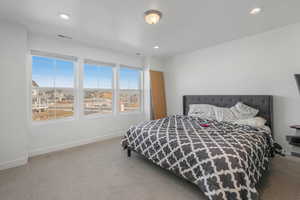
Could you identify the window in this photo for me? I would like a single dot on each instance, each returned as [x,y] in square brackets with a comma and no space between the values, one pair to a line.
[105,89]
[52,88]
[129,89]
[98,88]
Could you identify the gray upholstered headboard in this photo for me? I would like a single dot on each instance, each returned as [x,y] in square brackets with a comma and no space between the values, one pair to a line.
[262,102]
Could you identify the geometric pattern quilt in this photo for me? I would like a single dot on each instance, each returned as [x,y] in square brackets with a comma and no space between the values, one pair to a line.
[225,160]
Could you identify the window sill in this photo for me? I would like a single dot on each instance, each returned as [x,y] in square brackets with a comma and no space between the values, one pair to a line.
[86,117]
[54,121]
[97,116]
[131,113]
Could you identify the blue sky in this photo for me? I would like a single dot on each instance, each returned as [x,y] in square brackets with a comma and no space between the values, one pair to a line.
[97,77]
[129,78]
[47,71]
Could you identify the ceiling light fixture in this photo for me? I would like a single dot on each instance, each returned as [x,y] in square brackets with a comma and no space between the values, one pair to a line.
[64,16]
[255,11]
[156,47]
[152,16]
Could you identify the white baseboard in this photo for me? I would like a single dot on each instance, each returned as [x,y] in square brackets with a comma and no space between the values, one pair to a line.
[14,163]
[60,147]
[23,160]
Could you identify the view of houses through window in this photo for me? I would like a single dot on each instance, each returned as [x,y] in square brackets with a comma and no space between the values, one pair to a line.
[130,91]
[98,89]
[53,90]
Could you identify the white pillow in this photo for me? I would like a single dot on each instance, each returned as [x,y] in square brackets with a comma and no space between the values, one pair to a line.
[224,114]
[258,122]
[204,111]
[242,111]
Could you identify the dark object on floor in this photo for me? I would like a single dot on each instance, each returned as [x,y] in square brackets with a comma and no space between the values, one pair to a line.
[128,152]
[297,77]
[294,140]
[297,127]
[278,149]
[295,154]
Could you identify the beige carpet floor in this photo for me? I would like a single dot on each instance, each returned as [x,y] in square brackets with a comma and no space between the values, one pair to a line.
[102,171]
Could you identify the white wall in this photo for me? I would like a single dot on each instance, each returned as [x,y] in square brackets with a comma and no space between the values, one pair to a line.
[18,136]
[261,64]
[13,131]
[55,136]
[154,63]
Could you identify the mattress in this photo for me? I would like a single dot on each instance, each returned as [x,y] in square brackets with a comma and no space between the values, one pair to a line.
[225,160]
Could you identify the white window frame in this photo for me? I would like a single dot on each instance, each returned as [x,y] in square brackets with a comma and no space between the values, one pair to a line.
[78,88]
[75,84]
[98,64]
[141,91]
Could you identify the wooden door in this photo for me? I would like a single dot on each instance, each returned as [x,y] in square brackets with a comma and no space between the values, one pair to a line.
[158,97]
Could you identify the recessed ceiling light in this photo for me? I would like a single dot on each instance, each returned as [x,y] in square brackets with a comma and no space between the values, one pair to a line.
[255,11]
[152,16]
[156,47]
[64,16]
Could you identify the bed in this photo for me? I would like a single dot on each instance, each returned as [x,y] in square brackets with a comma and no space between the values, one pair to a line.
[225,160]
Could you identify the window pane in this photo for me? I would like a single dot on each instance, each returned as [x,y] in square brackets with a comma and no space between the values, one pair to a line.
[129,101]
[129,78]
[43,104]
[64,103]
[90,76]
[64,74]
[100,77]
[97,102]
[43,71]
[52,88]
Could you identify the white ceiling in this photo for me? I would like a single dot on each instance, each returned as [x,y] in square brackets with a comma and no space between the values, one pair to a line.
[119,25]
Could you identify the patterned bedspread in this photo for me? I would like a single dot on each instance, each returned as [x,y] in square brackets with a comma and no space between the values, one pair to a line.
[224,160]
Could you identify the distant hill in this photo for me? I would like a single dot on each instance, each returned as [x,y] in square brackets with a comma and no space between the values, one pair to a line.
[107,95]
